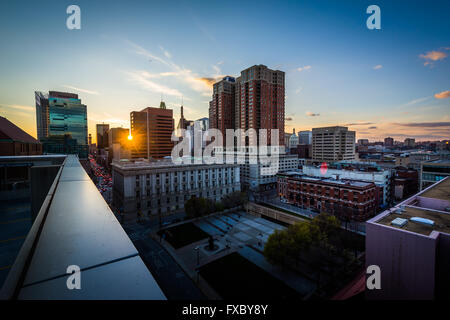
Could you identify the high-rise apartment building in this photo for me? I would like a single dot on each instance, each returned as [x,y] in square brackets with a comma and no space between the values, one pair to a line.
[102,135]
[331,144]
[260,100]
[151,129]
[222,106]
[254,100]
[61,121]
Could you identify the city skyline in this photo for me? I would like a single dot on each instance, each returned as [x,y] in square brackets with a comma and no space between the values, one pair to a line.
[390,82]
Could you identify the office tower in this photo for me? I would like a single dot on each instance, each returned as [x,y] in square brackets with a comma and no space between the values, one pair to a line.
[254,100]
[331,144]
[260,100]
[151,129]
[102,135]
[90,139]
[61,121]
[204,123]
[410,142]
[388,142]
[305,137]
[222,106]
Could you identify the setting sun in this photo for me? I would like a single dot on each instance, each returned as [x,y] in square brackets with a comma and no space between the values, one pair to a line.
[130,137]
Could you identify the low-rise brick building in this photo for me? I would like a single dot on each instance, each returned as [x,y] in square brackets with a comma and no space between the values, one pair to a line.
[348,199]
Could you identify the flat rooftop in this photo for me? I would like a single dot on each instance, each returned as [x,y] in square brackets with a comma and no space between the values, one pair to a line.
[440,191]
[430,204]
[441,220]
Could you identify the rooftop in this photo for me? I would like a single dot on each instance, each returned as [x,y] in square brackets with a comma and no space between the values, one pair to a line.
[441,191]
[430,204]
[441,221]
[10,131]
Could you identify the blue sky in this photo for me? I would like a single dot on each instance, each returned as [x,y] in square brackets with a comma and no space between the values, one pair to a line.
[128,54]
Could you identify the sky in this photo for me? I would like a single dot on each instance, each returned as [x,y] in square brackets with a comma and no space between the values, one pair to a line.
[129,55]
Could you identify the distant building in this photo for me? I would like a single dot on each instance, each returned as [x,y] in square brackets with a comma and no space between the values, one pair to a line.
[305,137]
[406,182]
[254,100]
[102,135]
[204,123]
[16,142]
[350,200]
[293,140]
[61,121]
[304,151]
[363,142]
[287,137]
[410,243]
[388,142]
[330,144]
[382,178]
[410,142]
[119,146]
[151,129]
[433,171]
[162,187]
[222,107]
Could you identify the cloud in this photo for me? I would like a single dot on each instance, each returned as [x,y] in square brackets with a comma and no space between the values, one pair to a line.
[373,127]
[194,81]
[18,107]
[288,119]
[378,66]
[442,95]
[142,79]
[432,56]
[166,53]
[311,114]
[358,124]
[80,90]
[303,68]
[298,90]
[424,124]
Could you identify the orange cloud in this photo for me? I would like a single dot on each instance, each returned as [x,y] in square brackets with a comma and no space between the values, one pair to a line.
[433,56]
[442,95]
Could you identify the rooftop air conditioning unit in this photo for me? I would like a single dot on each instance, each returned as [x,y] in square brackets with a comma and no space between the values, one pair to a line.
[424,221]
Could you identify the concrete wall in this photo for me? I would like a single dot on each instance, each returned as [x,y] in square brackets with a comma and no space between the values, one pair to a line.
[406,260]
[41,179]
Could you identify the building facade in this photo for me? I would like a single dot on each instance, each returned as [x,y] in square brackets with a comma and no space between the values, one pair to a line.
[61,121]
[350,200]
[330,144]
[254,100]
[433,171]
[305,137]
[368,172]
[161,187]
[410,244]
[102,135]
[151,129]
[16,142]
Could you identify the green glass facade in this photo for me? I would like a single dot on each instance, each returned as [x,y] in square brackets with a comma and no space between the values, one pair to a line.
[66,125]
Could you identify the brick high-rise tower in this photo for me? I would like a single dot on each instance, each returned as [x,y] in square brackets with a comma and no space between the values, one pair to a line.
[253,100]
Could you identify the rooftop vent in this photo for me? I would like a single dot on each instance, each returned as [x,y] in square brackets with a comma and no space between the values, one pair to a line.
[399,222]
[427,222]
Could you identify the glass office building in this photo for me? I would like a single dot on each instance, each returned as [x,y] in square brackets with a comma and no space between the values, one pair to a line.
[62,123]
